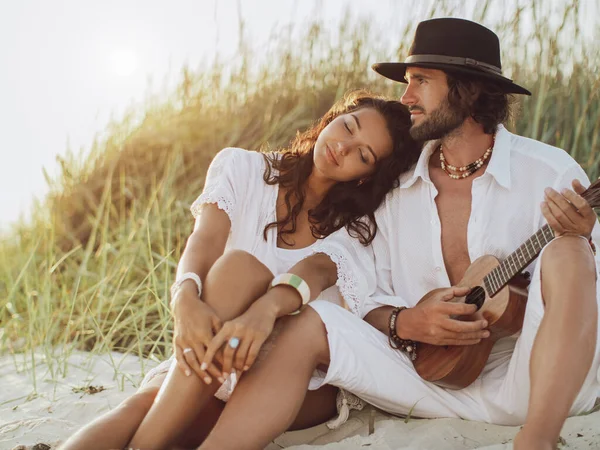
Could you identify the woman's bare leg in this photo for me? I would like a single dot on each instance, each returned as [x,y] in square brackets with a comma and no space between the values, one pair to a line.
[254,415]
[231,298]
[317,407]
[232,284]
[115,428]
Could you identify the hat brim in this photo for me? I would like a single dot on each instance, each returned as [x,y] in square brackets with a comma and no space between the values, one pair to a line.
[396,71]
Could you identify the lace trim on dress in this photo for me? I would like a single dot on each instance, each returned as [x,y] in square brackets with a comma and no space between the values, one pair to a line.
[208,197]
[213,188]
[346,282]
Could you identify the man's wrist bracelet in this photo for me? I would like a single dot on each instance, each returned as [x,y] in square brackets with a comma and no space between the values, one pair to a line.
[406,345]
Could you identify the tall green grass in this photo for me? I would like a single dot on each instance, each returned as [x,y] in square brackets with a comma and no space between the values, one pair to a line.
[92,269]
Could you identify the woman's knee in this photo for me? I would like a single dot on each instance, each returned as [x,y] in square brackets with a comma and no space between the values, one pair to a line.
[237,267]
[308,328]
[240,259]
[238,278]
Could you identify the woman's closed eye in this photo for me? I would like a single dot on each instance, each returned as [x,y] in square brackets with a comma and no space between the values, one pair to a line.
[348,128]
[362,156]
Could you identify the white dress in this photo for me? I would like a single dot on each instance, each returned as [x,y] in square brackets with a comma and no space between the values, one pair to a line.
[234,182]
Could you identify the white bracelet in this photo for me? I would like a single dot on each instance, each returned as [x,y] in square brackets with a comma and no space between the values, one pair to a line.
[186,276]
[293,280]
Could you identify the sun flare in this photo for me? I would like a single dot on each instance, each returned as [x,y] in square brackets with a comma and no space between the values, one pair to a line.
[123,62]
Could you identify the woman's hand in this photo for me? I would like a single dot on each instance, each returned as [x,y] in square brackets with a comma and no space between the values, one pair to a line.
[195,325]
[243,338]
[568,212]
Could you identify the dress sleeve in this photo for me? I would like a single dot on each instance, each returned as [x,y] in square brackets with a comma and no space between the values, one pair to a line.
[360,278]
[355,267]
[225,182]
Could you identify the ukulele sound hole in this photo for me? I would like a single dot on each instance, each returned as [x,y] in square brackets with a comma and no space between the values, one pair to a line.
[476,297]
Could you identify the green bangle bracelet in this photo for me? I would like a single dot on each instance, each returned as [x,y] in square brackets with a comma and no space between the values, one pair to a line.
[290,279]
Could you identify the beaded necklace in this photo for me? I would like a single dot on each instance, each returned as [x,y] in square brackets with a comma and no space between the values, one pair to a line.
[469,169]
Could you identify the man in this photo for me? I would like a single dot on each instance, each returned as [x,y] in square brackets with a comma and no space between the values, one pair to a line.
[477,189]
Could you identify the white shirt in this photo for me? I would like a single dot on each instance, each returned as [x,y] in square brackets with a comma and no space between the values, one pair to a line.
[405,259]
[235,183]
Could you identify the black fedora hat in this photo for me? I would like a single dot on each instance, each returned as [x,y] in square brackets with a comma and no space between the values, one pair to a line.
[453,45]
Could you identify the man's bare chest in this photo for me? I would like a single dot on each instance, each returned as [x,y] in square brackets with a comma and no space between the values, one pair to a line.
[454,210]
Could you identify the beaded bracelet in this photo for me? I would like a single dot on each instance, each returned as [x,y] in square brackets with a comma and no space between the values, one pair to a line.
[407,346]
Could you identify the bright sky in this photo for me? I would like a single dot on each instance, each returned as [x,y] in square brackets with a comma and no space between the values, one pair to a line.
[67,65]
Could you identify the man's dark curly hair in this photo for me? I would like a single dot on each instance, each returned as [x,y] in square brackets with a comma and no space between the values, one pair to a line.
[490,106]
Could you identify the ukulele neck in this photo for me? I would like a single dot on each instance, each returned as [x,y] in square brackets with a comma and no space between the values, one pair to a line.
[517,260]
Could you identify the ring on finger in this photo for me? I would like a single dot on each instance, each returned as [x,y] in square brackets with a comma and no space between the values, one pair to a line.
[234,342]
[187,350]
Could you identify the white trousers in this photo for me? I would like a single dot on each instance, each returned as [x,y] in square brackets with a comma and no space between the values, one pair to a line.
[363,363]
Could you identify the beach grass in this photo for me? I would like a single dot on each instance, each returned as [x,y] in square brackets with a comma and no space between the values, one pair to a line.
[92,268]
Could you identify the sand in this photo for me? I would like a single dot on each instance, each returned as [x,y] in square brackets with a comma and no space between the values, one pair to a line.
[70,391]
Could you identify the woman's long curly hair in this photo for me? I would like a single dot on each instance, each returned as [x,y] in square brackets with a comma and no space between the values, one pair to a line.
[347,204]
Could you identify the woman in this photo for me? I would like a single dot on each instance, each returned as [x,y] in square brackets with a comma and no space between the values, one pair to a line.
[257,216]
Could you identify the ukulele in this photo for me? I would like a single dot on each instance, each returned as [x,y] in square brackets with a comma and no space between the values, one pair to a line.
[500,292]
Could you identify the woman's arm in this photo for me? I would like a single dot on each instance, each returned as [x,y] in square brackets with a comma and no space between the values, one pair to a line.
[214,210]
[254,326]
[194,321]
[318,271]
[205,245]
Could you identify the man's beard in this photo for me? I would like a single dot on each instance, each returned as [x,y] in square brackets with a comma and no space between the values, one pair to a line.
[440,123]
